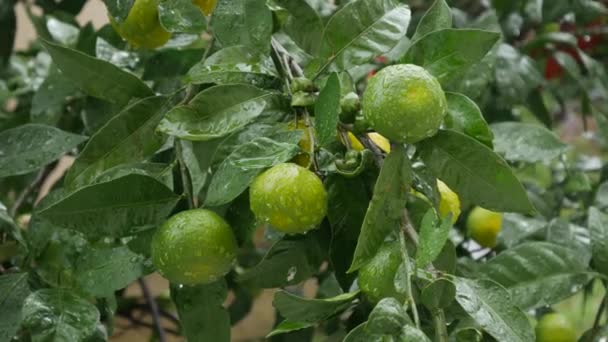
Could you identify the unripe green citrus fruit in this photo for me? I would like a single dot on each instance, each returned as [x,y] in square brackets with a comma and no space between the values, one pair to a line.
[194,247]
[142,29]
[404,103]
[449,202]
[206,6]
[377,277]
[289,197]
[483,226]
[554,327]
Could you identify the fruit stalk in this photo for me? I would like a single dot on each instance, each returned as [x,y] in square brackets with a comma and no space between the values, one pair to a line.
[441,331]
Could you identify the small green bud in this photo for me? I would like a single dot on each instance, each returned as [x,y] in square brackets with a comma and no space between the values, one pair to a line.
[302,99]
[302,84]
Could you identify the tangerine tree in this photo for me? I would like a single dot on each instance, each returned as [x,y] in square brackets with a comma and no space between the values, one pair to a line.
[433,170]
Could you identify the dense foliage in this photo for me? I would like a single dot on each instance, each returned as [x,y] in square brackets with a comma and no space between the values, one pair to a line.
[470,232]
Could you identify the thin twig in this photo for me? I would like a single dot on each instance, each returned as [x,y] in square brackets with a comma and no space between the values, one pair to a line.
[137,321]
[153,309]
[598,315]
[25,193]
[378,156]
[408,279]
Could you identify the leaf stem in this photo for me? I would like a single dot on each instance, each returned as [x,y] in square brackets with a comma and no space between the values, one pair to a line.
[441,331]
[408,278]
[185,176]
[154,310]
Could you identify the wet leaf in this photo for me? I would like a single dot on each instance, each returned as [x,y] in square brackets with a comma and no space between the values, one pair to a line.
[181,16]
[433,235]
[13,291]
[304,310]
[474,172]
[464,116]
[383,214]
[243,22]
[59,315]
[362,30]
[527,271]
[526,142]
[437,17]
[327,109]
[597,223]
[491,307]
[116,208]
[388,317]
[29,147]
[303,25]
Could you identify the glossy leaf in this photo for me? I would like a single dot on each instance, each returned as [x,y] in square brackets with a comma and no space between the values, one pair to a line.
[597,223]
[464,116]
[383,214]
[240,168]
[287,327]
[49,100]
[100,272]
[159,171]
[387,318]
[526,142]
[116,208]
[127,138]
[491,307]
[433,235]
[516,74]
[217,112]
[528,270]
[119,9]
[474,172]
[347,202]
[327,109]
[299,309]
[438,295]
[437,17]
[59,315]
[362,30]
[443,54]
[181,16]
[243,22]
[517,228]
[110,82]
[303,25]
[201,312]
[360,334]
[29,147]
[13,291]
[235,64]
[289,261]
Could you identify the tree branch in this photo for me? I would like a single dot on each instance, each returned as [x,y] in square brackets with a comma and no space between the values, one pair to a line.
[153,309]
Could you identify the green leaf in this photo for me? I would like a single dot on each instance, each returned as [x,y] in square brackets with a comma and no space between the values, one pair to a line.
[235,64]
[100,272]
[526,142]
[464,116]
[96,77]
[181,16]
[388,317]
[433,235]
[443,54]
[48,101]
[574,237]
[128,137]
[201,313]
[437,17]
[347,203]
[159,171]
[119,9]
[288,262]
[116,208]
[527,271]
[303,25]
[304,310]
[438,295]
[243,22]
[29,147]
[474,172]
[360,334]
[597,223]
[287,327]
[491,307]
[516,74]
[218,111]
[240,168]
[362,30]
[59,315]
[13,291]
[383,214]
[9,27]
[517,228]
[327,109]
